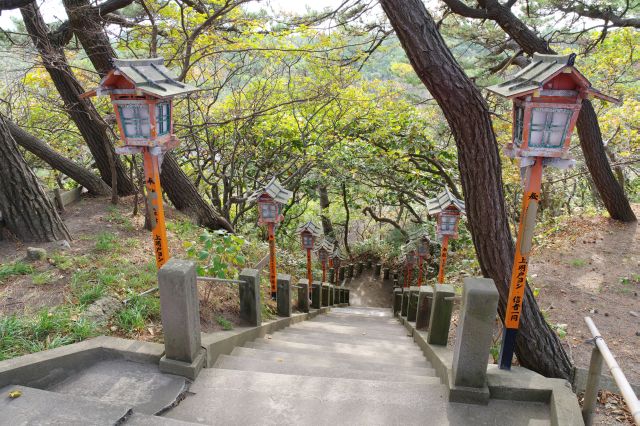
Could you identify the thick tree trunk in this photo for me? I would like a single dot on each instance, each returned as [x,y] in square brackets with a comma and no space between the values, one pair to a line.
[84,177]
[185,197]
[82,112]
[611,193]
[537,346]
[327,226]
[26,210]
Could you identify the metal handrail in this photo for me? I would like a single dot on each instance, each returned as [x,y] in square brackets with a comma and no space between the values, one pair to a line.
[601,351]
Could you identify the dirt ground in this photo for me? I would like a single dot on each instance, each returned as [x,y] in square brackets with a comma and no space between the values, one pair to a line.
[591,267]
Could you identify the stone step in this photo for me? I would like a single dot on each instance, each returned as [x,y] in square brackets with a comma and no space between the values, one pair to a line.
[354,362]
[137,419]
[382,323]
[342,337]
[392,327]
[364,340]
[337,370]
[302,348]
[349,330]
[355,347]
[231,397]
[41,407]
[363,311]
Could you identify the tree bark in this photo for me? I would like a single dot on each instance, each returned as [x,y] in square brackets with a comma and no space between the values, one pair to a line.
[84,177]
[327,226]
[345,201]
[26,210]
[82,112]
[380,219]
[537,347]
[185,197]
[611,193]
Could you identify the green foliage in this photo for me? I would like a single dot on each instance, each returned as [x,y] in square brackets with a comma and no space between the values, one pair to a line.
[218,253]
[106,241]
[43,278]
[15,268]
[138,311]
[224,323]
[48,329]
[578,263]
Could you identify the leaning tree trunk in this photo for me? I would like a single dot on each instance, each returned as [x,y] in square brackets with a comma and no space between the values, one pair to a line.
[82,112]
[537,346]
[184,195]
[327,226]
[84,177]
[611,192]
[26,210]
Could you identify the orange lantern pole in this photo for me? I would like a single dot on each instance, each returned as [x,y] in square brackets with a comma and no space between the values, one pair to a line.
[155,207]
[530,200]
[309,273]
[443,258]
[272,260]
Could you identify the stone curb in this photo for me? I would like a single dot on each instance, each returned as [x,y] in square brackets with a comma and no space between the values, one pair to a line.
[519,384]
[43,368]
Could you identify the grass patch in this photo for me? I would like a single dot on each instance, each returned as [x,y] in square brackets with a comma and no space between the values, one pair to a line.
[107,241]
[62,261]
[578,263]
[137,313]
[224,323]
[15,268]
[48,329]
[43,278]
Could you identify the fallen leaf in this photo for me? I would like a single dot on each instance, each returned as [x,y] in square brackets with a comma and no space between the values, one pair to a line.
[15,394]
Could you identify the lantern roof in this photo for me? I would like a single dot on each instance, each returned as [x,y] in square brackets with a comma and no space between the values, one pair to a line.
[337,253]
[325,245]
[275,190]
[148,76]
[542,69]
[418,234]
[444,200]
[311,228]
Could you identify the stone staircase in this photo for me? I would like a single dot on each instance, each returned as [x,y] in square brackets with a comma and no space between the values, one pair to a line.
[350,366]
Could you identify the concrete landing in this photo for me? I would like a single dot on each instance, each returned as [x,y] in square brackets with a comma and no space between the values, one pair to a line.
[370,291]
[140,386]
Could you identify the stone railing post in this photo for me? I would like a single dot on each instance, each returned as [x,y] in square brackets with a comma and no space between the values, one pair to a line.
[386,273]
[332,275]
[404,308]
[397,301]
[413,303]
[316,295]
[303,296]
[350,271]
[332,293]
[377,270]
[180,314]
[325,294]
[341,273]
[284,295]
[473,339]
[347,291]
[369,263]
[425,301]
[250,308]
[441,314]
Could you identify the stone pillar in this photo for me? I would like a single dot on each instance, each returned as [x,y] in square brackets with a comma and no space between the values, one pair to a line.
[369,263]
[377,270]
[397,301]
[284,295]
[336,294]
[303,296]
[350,271]
[250,309]
[386,273]
[332,275]
[332,293]
[396,284]
[316,295]
[343,295]
[325,294]
[405,301]
[341,273]
[413,303]
[180,314]
[441,315]
[396,276]
[475,332]
[360,267]
[347,296]
[425,301]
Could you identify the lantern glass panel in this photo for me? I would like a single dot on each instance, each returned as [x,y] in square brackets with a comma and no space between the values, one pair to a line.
[447,224]
[135,120]
[163,118]
[307,241]
[549,127]
[518,125]
[269,212]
